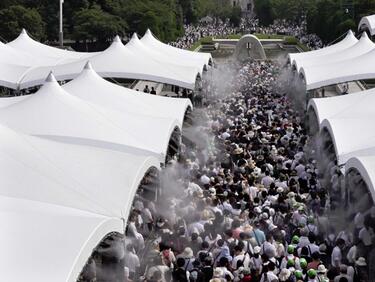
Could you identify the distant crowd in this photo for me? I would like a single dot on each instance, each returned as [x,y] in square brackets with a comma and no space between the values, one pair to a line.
[219,28]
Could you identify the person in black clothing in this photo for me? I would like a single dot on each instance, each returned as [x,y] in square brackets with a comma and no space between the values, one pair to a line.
[207,270]
[180,274]
[146,89]
[153,91]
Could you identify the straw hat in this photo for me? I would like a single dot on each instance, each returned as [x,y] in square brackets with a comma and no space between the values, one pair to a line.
[187,253]
[361,261]
[284,274]
[218,272]
[322,269]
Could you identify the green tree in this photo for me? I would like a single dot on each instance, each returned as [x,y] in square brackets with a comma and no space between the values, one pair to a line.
[94,24]
[15,18]
[263,9]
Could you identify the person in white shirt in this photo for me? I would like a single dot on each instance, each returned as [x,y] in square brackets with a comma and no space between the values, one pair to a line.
[336,256]
[267,179]
[269,275]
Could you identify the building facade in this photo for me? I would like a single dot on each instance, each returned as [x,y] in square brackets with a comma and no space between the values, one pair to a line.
[247,6]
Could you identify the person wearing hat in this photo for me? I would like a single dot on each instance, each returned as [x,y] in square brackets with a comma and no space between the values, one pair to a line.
[322,273]
[285,275]
[255,263]
[361,271]
[312,275]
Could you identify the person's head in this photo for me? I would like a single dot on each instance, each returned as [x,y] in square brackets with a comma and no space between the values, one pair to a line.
[340,243]
[311,273]
[180,262]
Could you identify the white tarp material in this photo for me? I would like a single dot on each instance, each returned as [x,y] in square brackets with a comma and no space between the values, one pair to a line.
[150,41]
[298,58]
[368,23]
[43,242]
[91,87]
[44,54]
[353,129]
[8,101]
[361,47]
[327,107]
[87,178]
[365,165]
[140,49]
[82,189]
[117,62]
[54,113]
[353,69]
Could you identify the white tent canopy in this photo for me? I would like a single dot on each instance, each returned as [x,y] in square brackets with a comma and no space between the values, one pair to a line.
[87,178]
[54,113]
[353,69]
[150,41]
[327,107]
[140,49]
[44,54]
[361,47]
[353,129]
[68,195]
[297,59]
[368,23]
[365,165]
[117,62]
[91,87]
[44,242]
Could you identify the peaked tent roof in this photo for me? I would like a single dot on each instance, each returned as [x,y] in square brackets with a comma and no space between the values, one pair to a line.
[361,47]
[46,55]
[140,49]
[353,129]
[348,41]
[327,107]
[353,69]
[119,62]
[365,165]
[150,41]
[91,87]
[53,113]
[369,23]
[85,190]
[63,239]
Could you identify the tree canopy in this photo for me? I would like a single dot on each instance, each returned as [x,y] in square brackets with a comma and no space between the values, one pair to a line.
[327,18]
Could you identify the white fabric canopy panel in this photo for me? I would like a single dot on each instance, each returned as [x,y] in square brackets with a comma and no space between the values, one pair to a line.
[68,195]
[44,54]
[327,107]
[356,68]
[8,101]
[368,23]
[361,47]
[86,178]
[53,113]
[117,62]
[365,165]
[297,59]
[91,87]
[150,41]
[43,242]
[353,129]
[140,50]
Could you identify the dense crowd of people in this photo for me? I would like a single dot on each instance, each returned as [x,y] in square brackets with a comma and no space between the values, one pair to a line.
[219,28]
[248,204]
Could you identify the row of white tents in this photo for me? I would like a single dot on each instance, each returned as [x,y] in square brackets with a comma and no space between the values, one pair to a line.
[25,62]
[73,156]
[348,119]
